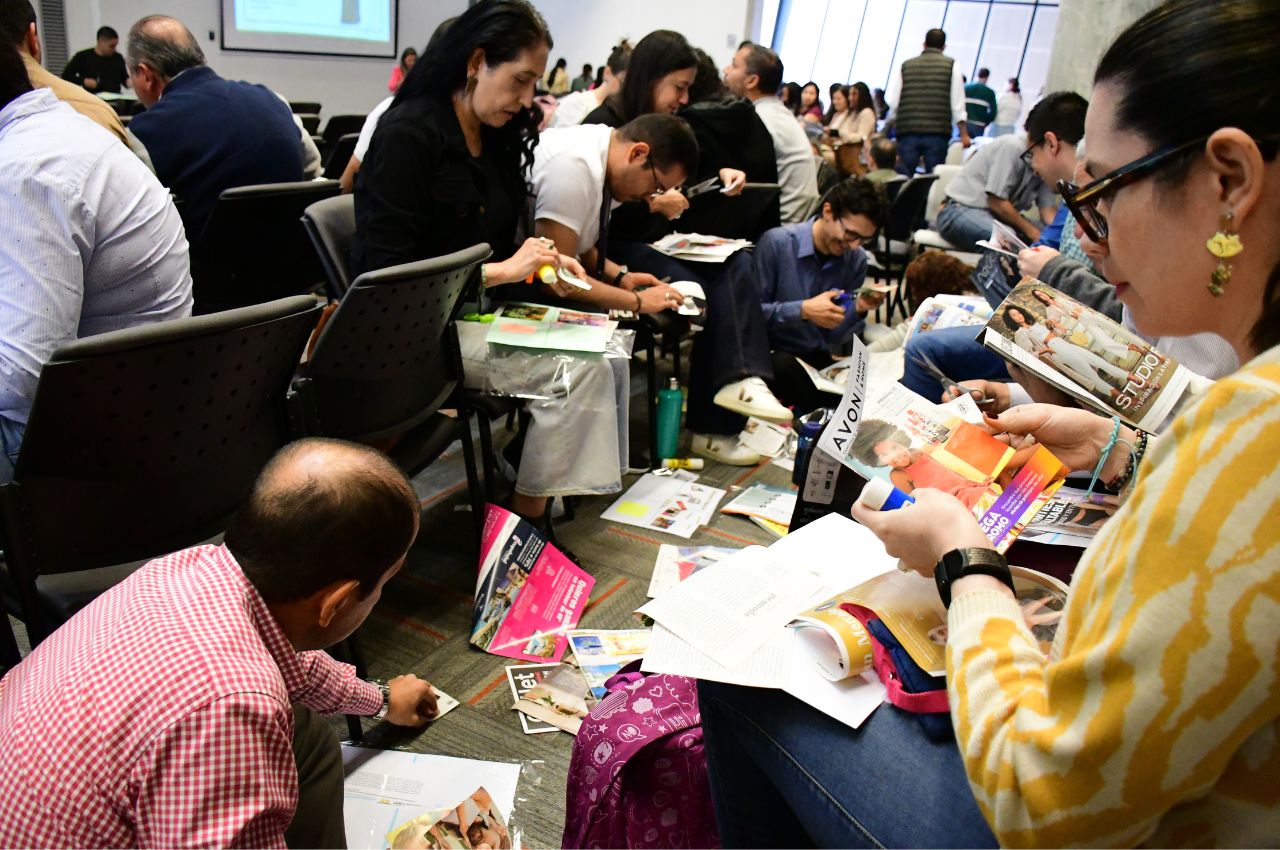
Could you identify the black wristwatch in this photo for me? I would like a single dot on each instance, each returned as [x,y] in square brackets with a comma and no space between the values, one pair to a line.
[959,563]
[622,272]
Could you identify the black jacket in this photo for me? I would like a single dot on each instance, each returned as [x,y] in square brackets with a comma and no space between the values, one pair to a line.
[420,193]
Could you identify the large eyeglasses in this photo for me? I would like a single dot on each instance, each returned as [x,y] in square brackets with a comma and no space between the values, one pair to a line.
[658,188]
[1083,203]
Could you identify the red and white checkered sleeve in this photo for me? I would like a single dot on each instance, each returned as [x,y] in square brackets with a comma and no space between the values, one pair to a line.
[224,776]
[333,688]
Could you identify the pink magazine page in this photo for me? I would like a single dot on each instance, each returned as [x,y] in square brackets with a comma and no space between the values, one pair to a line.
[528,594]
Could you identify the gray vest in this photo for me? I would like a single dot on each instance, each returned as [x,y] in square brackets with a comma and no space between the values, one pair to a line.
[924,106]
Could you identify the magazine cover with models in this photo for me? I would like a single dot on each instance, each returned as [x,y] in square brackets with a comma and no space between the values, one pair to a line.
[1086,355]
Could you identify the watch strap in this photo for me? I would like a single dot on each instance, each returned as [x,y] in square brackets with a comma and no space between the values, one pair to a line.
[959,563]
[386,698]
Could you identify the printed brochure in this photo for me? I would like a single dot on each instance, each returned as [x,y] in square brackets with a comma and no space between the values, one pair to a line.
[1086,355]
[541,326]
[528,594]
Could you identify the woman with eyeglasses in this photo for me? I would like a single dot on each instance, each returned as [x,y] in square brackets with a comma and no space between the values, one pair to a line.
[1155,719]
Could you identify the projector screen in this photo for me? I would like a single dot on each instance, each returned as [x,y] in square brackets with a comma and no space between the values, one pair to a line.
[334,27]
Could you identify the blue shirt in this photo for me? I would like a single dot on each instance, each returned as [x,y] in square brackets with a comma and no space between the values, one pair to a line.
[789,269]
[92,243]
[207,134]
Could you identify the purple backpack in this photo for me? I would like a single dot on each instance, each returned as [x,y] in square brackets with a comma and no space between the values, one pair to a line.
[638,774]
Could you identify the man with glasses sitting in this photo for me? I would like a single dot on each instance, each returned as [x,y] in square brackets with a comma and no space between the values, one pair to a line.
[580,175]
[1013,173]
[809,276]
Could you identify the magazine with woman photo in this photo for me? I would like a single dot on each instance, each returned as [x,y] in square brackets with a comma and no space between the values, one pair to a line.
[1086,355]
[473,824]
[912,443]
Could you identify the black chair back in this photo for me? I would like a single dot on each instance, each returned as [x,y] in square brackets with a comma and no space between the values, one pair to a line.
[304,107]
[310,122]
[342,125]
[144,441]
[339,155]
[254,248]
[331,225]
[906,212]
[388,358]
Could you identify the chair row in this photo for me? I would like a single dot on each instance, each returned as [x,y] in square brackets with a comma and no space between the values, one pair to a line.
[146,440]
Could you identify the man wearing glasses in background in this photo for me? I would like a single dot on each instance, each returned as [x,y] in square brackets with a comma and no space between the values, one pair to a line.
[809,275]
[1015,173]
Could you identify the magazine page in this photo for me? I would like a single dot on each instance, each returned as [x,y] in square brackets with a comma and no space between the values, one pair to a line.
[935,314]
[471,824]
[835,642]
[671,502]
[1086,355]
[699,248]
[385,789]
[760,500]
[559,699]
[677,563]
[603,652]
[912,443]
[1043,600]
[528,594]
[1075,511]
[522,678]
[541,326]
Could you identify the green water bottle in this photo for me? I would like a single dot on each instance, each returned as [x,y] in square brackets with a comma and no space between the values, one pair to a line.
[670,401]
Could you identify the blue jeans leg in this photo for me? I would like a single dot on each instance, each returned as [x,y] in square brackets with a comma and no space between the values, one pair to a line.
[954,351]
[908,153]
[785,775]
[935,151]
[963,226]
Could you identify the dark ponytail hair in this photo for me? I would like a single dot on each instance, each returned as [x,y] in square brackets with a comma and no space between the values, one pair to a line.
[654,56]
[503,29]
[865,101]
[1222,56]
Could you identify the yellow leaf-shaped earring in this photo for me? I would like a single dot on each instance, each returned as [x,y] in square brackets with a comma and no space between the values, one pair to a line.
[1224,245]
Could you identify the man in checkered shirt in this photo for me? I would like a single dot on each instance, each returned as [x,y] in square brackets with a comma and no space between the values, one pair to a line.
[179,709]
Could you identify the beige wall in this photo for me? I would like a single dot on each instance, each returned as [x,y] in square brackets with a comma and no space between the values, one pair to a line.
[1085,29]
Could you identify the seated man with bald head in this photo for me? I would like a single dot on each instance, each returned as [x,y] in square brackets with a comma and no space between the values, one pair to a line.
[179,708]
[206,134]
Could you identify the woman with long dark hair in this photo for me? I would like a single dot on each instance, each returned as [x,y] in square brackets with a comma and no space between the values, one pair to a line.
[1153,720]
[790,96]
[659,74]
[448,168]
[407,57]
[558,81]
[811,103]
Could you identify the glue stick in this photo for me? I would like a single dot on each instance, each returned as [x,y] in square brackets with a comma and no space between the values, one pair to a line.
[682,463]
[546,274]
[880,495]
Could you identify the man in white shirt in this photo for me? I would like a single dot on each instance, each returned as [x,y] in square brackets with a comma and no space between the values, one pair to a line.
[756,74]
[572,108]
[927,98]
[92,241]
[348,179]
[579,175]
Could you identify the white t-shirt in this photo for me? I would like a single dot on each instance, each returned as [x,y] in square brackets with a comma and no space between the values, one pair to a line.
[370,124]
[572,108]
[797,170]
[568,179]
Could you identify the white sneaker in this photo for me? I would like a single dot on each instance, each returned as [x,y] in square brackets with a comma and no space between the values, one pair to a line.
[751,397]
[725,449]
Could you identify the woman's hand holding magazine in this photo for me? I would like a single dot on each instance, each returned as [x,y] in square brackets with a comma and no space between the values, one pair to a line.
[1076,437]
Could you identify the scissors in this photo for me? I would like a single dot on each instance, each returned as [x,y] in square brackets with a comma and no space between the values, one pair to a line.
[924,362]
[708,185]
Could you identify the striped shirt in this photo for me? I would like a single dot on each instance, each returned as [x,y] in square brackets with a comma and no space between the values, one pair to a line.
[1156,719]
[159,716]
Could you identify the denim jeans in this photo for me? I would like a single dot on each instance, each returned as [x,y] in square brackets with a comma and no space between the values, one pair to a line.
[576,443]
[963,226]
[955,353]
[913,146]
[785,775]
[10,441]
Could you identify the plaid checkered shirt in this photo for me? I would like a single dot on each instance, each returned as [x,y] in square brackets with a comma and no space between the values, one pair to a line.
[159,716]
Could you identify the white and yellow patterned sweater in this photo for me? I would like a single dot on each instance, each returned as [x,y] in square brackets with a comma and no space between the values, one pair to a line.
[1157,718]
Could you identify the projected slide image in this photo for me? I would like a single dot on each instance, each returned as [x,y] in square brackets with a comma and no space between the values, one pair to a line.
[364,20]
